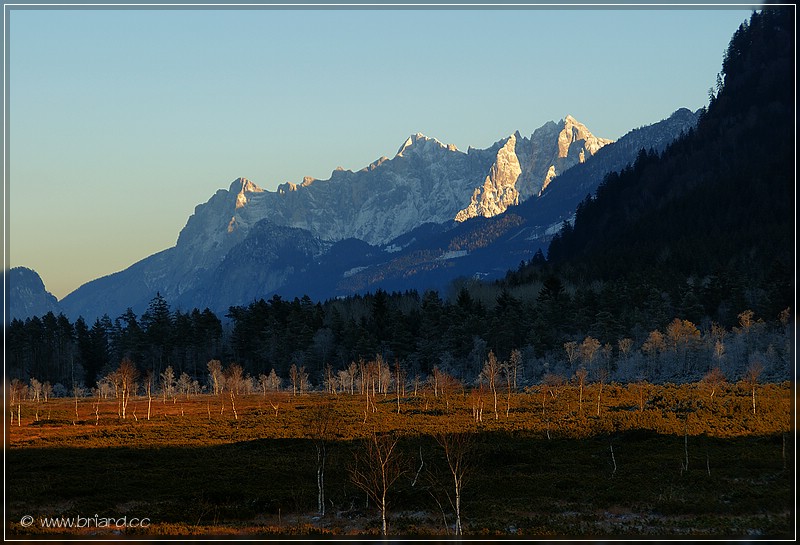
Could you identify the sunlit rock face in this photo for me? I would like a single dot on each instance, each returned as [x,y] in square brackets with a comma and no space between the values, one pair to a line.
[499,190]
[524,167]
[551,150]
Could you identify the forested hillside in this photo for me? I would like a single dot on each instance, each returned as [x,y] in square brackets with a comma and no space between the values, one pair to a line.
[714,213]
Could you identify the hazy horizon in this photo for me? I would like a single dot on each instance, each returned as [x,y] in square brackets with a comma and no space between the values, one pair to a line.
[122,121]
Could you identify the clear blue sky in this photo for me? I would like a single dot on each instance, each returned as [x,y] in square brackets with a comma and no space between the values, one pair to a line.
[122,121]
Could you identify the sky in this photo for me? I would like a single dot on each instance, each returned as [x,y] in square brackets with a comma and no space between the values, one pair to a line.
[121,121]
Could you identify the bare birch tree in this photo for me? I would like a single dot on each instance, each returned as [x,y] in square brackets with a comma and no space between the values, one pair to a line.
[515,366]
[168,383]
[19,390]
[509,372]
[435,377]
[78,392]
[580,379]
[751,375]
[571,348]
[551,384]
[448,386]
[331,381]
[602,376]
[294,377]
[588,350]
[352,372]
[234,376]
[321,427]
[273,381]
[376,468]
[126,375]
[714,380]
[399,381]
[343,379]
[476,400]
[263,384]
[490,373]
[184,384]
[624,345]
[47,391]
[148,388]
[458,449]
[215,374]
[35,389]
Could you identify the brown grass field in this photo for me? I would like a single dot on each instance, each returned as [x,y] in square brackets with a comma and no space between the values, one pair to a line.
[661,461]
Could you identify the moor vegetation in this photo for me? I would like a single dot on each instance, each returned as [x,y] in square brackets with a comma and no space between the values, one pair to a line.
[610,460]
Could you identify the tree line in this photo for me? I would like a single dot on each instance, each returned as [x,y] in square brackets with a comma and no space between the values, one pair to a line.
[557,331]
[60,351]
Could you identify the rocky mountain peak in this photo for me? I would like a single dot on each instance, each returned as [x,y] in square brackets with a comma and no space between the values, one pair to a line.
[244,186]
[573,132]
[498,191]
[26,294]
[420,143]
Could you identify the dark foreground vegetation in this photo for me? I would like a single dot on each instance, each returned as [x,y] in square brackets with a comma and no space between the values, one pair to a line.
[647,461]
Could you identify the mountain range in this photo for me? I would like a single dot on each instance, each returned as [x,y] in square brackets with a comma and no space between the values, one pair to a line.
[26,294]
[430,214]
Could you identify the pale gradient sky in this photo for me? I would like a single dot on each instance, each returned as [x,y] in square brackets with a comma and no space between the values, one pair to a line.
[122,121]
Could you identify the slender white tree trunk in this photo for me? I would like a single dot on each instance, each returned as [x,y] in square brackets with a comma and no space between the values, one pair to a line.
[384,529]
[321,454]
[458,506]
[233,406]
[599,393]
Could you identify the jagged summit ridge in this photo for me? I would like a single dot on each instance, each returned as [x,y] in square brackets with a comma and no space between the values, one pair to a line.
[524,167]
[246,241]
[426,181]
[419,143]
[245,186]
